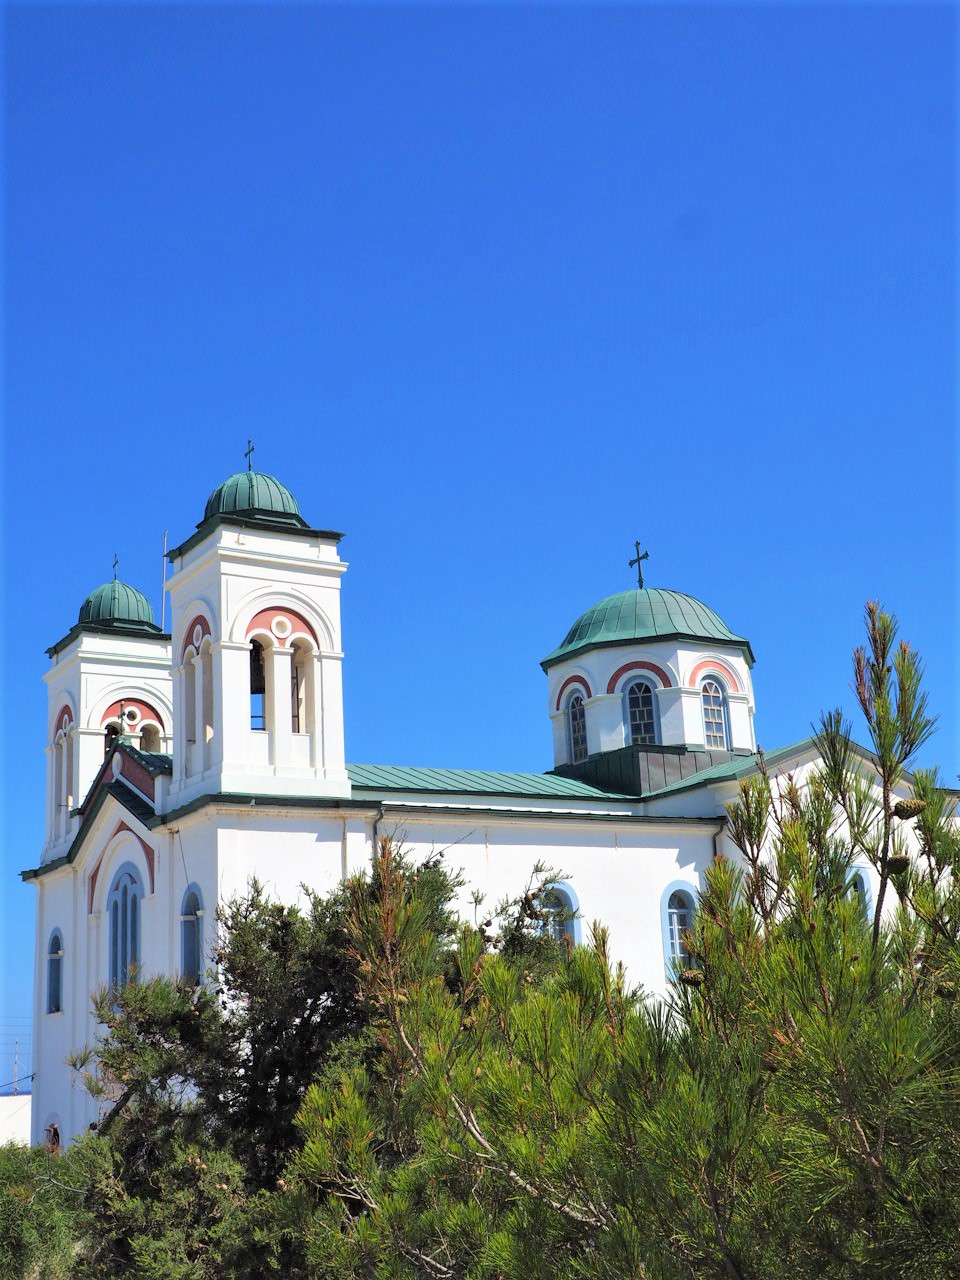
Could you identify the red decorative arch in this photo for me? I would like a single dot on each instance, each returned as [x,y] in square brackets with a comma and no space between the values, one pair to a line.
[148,856]
[147,712]
[263,620]
[65,713]
[566,685]
[638,666]
[201,622]
[713,664]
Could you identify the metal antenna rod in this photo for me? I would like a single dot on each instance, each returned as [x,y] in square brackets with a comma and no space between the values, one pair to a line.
[163,583]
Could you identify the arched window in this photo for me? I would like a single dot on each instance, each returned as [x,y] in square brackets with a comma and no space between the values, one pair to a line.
[258,687]
[642,718]
[51,1137]
[578,729]
[714,715]
[559,913]
[55,973]
[123,913]
[191,937]
[150,738]
[110,735]
[859,886]
[677,912]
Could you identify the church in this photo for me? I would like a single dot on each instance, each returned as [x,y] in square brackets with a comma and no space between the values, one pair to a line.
[182,763]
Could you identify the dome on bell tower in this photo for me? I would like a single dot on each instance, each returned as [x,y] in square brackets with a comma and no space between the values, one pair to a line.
[118,604]
[253,493]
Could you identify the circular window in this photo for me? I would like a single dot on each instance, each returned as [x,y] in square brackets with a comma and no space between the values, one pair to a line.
[280,627]
[131,715]
[197,635]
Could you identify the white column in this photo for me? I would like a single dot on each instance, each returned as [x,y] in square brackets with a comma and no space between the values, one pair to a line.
[231,702]
[178,744]
[279,673]
[48,752]
[314,711]
[331,713]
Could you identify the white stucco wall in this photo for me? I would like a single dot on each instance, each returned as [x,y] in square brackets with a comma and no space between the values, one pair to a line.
[15,1118]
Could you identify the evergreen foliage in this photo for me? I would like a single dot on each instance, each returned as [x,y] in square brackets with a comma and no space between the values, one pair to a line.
[794,1104]
[376,1090]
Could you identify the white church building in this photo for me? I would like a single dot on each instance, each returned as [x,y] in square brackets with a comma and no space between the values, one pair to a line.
[180,765]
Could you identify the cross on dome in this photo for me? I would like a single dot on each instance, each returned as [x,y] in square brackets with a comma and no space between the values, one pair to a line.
[638,562]
[249,455]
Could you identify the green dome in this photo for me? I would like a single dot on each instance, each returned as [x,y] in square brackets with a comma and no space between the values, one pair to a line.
[252,491]
[647,613]
[117,604]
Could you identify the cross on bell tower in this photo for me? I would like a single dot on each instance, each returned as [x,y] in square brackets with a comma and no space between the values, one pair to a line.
[638,562]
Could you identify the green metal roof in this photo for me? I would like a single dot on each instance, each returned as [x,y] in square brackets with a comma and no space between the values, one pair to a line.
[116,602]
[481,782]
[253,491]
[645,613]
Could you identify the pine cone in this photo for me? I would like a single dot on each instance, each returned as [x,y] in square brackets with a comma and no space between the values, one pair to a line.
[897,862]
[909,808]
[692,978]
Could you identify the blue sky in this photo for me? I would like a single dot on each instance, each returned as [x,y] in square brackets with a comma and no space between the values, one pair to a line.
[495,290]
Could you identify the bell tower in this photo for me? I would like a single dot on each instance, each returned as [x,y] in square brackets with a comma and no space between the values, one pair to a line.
[257,684]
[109,676]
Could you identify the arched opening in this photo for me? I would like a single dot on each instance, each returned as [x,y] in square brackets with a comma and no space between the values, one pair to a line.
[58,809]
[111,733]
[301,687]
[577,728]
[191,950]
[715,728]
[206,700]
[189,698]
[123,913]
[51,1138]
[55,973]
[150,738]
[258,687]
[68,800]
[641,716]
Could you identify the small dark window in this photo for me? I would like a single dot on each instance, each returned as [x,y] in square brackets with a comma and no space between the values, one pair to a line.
[110,736]
[578,729]
[55,974]
[258,686]
[51,1137]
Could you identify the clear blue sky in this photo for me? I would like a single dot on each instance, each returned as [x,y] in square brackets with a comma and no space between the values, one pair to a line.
[495,290]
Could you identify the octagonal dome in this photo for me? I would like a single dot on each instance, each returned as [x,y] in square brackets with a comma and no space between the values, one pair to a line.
[646,613]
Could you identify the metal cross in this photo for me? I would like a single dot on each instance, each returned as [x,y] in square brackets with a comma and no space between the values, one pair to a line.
[249,455]
[638,562]
[116,563]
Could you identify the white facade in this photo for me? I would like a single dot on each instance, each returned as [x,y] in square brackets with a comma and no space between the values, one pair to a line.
[243,774]
[15,1118]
